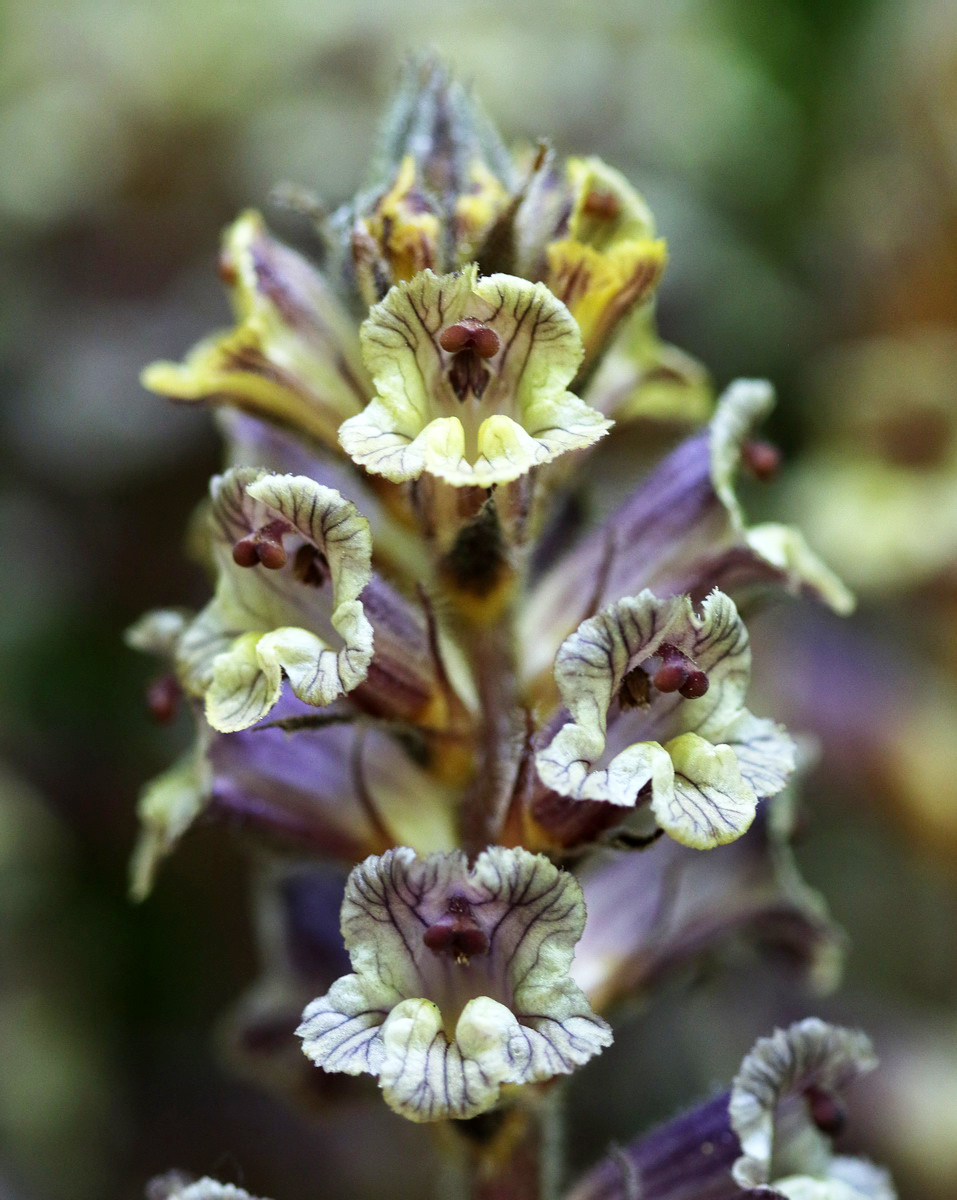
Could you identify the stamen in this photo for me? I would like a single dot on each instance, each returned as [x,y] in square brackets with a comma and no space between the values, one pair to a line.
[467,375]
[678,673]
[695,685]
[602,204]
[634,691]
[762,459]
[673,670]
[263,546]
[826,1111]
[163,697]
[245,553]
[470,334]
[226,269]
[310,566]
[457,933]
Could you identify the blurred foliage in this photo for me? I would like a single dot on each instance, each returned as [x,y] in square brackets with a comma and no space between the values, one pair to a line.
[800,159]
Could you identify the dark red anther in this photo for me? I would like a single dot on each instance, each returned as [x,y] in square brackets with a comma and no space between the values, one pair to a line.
[264,546]
[163,697]
[226,270]
[455,338]
[245,552]
[272,554]
[470,334]
[485,342]
[673,671]
[695,685]
[456,933]
[762,459]
[826,1111]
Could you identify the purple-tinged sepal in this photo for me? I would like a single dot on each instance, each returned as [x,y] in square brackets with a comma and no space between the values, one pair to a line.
[682,530]
[669,908]
[293,356]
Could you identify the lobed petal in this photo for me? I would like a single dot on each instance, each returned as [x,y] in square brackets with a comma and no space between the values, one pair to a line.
[773,1078]
[175,1186]
[426,1076]
[167,807]
[709,802]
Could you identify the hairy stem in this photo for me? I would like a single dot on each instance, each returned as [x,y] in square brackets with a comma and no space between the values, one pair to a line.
[486,802]
[511,1155]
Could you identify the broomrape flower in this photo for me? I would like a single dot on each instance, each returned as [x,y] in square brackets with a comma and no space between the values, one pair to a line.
[418,659]
[460,981]
[176,1186]
[770,1136]
[471,376]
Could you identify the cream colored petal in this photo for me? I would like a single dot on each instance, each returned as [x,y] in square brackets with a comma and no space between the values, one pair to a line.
[341,1031]
[869,1183]
[167,808]
[741,406]
[764,750]
[709,803]
[444,1031]
[808,1053]
[200,1189]
[425,1076]
[157,632]
[784,547]
[590,668]
[247,678]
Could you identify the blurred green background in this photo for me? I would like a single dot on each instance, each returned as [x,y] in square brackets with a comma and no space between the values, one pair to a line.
[801,158]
